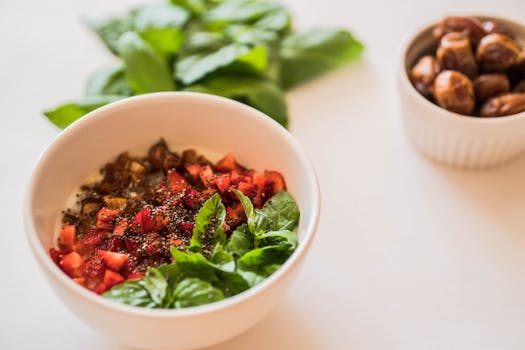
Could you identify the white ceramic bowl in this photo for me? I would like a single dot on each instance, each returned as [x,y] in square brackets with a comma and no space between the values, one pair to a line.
[207,123]
[447,137]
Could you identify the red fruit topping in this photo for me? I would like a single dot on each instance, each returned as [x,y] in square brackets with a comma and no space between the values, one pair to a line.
[194,171]
[80,280]
[55,255]
[67,238]
[110,279]
[120,227]
[90,240]
[176,183]
[151,220]
[115,244]
[192,198]
[222,182]
[106,218]
[227,164]
[248,189]
[113,260]
[71,263]
[206,174]
[135,276]
[235,215]
[94,268]
[186,226]
[129,268]
[277,179]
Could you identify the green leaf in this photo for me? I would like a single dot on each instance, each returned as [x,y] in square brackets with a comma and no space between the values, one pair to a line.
[257,264]
[146,71]
[248,209]
[278,20]
[222,259]
[241,241]
[193,292]
[194,6]
[276,238]
[239,11]
[159,15]
[278,214]
[110,30]
[208,224]
[156,285]
[259,93]
[250,35]
[108,81]
[165,41]
[131,292]
[309,54]
[66,114]
[202,42]
[236,57]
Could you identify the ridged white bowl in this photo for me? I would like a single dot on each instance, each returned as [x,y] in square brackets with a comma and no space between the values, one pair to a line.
[451,138]
[209,124]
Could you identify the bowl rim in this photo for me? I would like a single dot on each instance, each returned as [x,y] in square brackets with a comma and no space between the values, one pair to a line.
[407,42]
[45,262]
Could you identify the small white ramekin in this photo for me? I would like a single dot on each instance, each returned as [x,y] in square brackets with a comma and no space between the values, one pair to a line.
[450,138]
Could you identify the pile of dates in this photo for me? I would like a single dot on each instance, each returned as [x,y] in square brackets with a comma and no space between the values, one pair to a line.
[478,69]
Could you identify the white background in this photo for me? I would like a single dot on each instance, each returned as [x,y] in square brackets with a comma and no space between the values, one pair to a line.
[409,254]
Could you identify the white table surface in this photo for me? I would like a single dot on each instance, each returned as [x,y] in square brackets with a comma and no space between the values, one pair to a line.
[409,254]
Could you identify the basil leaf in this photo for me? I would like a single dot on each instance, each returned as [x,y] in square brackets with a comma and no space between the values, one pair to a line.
[222,259]
[108,81]
[208,224]
[239,58]
[278,20]
[156,285]
[193,292]
[146,71]
[309,54]
[279,213]
[250,35]
[259,93]
[235,11]
[110,30]
[202,42]
[257,264]
[248,209]
[159,15]
[241,241]
[165,41]
[196,265]
[131,292]
[66,114]
[194,6]
[277,237]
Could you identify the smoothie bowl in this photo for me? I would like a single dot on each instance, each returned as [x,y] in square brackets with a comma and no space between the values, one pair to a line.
[163,215]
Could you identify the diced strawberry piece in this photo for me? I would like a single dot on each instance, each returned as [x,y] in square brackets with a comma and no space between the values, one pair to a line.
[176,183]
[194,171]
[238,177]
[113,260]
[110,279]
[207,193]
[277,179]
[89,240]
[71,263]
[153,245]
[264,190]
[235,215]
[206,174]
[248,189]
[115,244]
[160,219]
[129,267]
[80,280]
[192,198]
[55,255]
[68,235]
[151,220]
[133,246]
[94,268]
[120,227]
[222,182]
[186,226]
[227,164]
[106,218]
[136,276]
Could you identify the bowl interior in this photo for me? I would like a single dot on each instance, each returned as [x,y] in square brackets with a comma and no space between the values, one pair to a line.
[213,126]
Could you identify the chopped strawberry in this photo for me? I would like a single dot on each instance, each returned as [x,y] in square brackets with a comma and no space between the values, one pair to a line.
[264,190]
[67,238]
[110,279]
[115,244]
[176,183]
[235,215]
[71,263]
[206,174]
[238,177]
[153,245]
[151,220]
[222,182]
[194,171]
[248,189]
[132,245]
[89,240]
[120,227]
[192,198]
[186,226]
[227,164]
[277,179]
[55,255]
[113,260]
[129,267]
[80,280]
[94,268]
[136,276]
[106,218]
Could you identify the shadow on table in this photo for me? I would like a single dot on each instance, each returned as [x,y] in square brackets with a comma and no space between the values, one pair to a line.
[284,328]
